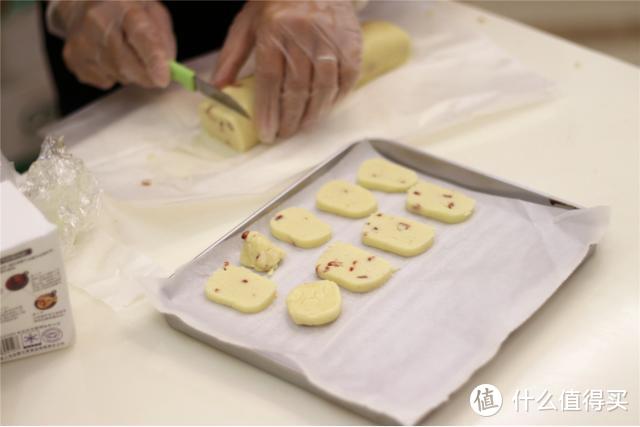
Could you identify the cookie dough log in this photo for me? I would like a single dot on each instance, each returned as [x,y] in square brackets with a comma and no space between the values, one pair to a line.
[240,289]
[353,268]
[384,47]
[345,199]
[433,201]
[260,253]
[397,235]
[383,175]
[228,126]
[300,227]
[314,303]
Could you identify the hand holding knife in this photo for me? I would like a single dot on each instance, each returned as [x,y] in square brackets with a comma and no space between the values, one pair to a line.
[188,79]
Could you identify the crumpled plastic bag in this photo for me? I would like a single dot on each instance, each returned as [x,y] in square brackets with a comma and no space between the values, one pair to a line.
[64,190]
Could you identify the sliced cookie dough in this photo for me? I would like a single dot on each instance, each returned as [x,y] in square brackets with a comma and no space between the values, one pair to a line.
[439,203]
[240,289]
[383,175]
[314,303]
[260,253]
[353,268]
[345,199]
[228,126]
[398,235]
[300,227]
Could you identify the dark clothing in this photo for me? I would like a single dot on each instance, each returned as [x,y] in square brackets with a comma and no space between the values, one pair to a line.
[198,26]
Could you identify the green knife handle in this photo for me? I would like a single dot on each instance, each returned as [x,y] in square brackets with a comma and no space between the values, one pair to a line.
[183,75]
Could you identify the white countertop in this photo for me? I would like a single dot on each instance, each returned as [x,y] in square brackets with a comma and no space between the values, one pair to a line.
[130,367]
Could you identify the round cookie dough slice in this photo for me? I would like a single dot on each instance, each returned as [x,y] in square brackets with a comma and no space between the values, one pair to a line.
[300,227]
[398,235]
[383,175]
[439,203]
[353,268]
[240,288]
[259,253]
[314,303]
[345,199]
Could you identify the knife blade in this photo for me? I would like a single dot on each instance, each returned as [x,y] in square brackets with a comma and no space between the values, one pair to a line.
[188,79]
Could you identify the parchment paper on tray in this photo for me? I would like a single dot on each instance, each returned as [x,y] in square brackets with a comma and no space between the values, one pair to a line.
[399,351]
[455,74]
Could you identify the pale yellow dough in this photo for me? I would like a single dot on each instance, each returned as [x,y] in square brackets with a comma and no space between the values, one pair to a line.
[260,253]
[228,126]
[384,47]
[383,175]
[345,199]
[401,236]
[300,227]
[439,203]
[240,288]
[314,303]
[353,268]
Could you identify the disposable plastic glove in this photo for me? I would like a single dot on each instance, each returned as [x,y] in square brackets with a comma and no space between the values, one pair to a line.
[116,41]
[307,56]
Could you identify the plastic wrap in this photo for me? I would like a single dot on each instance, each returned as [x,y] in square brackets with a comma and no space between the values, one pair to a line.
[64,190]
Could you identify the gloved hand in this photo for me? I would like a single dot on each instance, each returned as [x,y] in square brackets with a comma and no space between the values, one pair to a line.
[307,57]
[116,41]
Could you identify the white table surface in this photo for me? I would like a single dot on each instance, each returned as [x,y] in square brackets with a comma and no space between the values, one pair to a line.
[131,367]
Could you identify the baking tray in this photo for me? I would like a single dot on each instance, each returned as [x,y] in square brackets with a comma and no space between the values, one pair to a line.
[417,160]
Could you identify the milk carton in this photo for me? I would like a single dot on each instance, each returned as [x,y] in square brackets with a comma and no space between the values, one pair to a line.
[36,315]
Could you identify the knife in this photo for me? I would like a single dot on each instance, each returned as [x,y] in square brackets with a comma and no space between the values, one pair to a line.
[188,79]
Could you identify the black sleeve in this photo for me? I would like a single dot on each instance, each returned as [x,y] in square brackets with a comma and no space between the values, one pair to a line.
[201,26]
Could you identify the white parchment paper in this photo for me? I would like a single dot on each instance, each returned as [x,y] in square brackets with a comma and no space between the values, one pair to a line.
[402,349]
[455,74]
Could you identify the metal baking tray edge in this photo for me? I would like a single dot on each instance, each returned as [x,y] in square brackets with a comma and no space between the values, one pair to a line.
[399,153]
